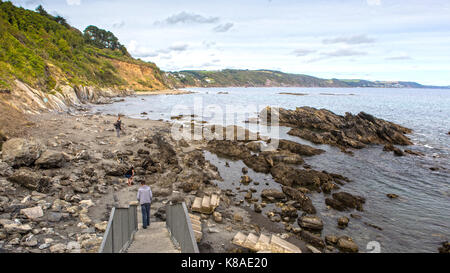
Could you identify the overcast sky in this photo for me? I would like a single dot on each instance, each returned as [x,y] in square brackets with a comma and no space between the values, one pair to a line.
[368,39]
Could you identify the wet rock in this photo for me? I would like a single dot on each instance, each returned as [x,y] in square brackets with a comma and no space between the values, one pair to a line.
[312,239]
[19,152]
[275,218]
[238,218]
[298,148]
[257,208]
[355,216]
[254,146]
[248,195]
[289,176]
[346,244]
[272,193]
[331,239]
[392,195]
[322,126]
[258,163]
[30,179]
[52,159]
[445,248]
[328,187]
[344,200]
[392,148]
[304,201]
[310,222]
[343,222]
[289,211]
[414,153]
[245,179]
[231,149]
[373,226]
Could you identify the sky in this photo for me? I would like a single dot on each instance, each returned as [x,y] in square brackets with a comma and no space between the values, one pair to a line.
[345,39]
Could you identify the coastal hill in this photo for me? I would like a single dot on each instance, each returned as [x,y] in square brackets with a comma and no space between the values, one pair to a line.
[270,78]
[45,64]
[45,52]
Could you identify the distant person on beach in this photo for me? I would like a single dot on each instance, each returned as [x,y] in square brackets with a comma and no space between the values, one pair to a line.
[118,126]
[145,196]
[130,175]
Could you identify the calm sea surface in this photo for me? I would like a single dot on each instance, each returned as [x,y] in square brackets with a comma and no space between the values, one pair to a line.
[418,221]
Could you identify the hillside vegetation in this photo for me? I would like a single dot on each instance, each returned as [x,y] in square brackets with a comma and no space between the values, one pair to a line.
[268,78]
[45,52]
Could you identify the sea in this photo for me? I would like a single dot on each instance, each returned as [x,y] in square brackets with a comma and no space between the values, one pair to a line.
[417,221]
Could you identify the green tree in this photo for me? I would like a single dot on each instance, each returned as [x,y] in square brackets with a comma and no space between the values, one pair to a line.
[101,38]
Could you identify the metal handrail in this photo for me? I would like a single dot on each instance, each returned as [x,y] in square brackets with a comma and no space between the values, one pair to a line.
[179,226]
[122,226]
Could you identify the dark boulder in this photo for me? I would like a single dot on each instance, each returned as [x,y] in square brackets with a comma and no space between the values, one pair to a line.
[30,180]
[344,200]
[313,239]
[304,201]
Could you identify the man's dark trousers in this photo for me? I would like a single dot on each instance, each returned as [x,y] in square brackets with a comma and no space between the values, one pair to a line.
[145,208]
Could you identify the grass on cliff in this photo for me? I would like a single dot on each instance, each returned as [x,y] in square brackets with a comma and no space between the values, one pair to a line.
[42,51]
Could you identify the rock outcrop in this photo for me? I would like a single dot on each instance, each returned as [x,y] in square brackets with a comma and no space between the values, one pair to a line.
[52,159]
[322,126]
[343,200]
[19,152]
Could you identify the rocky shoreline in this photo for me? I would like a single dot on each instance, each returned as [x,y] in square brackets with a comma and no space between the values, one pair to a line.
[57,187]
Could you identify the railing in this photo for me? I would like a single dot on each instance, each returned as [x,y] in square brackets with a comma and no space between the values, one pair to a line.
[119,234]
[180,228]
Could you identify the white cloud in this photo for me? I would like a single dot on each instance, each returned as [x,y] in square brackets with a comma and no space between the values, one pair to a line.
[302,52]
[178,47]
[344,53]
[373,2]
[73,2]
[356,39]
[187,18]
[398,58]
[223,27]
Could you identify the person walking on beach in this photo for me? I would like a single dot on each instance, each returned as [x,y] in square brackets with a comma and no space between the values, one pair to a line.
[130,175]
[145,196]
[118,126]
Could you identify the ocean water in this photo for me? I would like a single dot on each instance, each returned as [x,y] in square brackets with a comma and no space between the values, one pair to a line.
[418,221]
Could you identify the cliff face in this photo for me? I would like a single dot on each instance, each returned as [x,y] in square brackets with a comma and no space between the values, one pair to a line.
[20,101]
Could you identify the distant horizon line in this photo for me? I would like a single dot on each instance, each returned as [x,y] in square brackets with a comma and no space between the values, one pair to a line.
[359,79]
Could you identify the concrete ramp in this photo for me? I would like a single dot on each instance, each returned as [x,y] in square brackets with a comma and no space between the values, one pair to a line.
[154,239]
